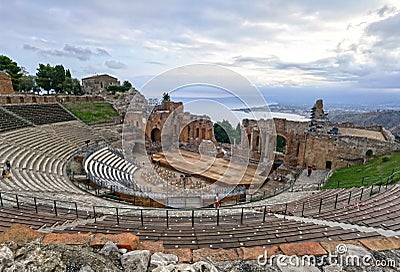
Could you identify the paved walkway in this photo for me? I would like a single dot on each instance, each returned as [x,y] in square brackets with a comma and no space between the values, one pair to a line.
[311,182]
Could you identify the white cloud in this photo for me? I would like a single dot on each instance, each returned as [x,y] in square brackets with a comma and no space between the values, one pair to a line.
[69,51]
[113,64]
[274,43]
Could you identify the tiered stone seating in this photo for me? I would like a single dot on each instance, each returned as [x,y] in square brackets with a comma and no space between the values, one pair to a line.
[109,168]
[370,206]
[38,156]
[380,211]
[310,205]
[12,215]
[324,200]
[40,114]
[10,122]
[179,233]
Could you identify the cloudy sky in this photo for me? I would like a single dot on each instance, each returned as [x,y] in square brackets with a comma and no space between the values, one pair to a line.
[279,45]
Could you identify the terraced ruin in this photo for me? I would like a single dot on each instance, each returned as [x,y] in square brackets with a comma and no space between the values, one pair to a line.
[40,140]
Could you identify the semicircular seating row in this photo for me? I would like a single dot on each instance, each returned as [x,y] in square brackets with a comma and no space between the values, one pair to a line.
[254,228]
[254,231]
[108,168]
[370,206]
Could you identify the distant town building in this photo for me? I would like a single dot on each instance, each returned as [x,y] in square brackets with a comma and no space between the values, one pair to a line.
[98,83]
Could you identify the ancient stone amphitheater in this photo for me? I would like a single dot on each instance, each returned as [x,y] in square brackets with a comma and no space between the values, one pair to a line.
[39,139]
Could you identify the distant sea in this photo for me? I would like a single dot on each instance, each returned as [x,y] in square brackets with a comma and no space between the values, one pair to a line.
[233,110]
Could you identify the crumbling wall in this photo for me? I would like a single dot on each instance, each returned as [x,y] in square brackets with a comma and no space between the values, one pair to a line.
[342,150]
[5,84]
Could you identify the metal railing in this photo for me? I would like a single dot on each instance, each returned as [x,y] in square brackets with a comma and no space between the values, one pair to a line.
[139,216]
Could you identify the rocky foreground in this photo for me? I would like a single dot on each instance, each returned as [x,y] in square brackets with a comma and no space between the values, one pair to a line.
[23,249]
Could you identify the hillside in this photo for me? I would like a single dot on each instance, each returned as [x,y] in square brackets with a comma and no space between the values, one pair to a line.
[91,112]
[377,169]
[389,119]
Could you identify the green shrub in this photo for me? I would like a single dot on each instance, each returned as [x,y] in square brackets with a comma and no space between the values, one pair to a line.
[385,159]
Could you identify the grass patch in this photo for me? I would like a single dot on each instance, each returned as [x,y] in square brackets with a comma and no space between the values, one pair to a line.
[92,112]
[375,170]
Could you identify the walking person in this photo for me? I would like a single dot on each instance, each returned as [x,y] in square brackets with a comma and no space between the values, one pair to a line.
[8,165]
[309,170]
[217,203]
[5,174]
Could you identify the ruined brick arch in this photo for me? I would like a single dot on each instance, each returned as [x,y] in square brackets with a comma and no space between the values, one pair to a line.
[284,137]
[184,133]
[258,141]
[369,153]
[156,135]
[293,133]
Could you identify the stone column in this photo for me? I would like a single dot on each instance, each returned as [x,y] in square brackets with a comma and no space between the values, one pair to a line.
[244,143]
[266,147]
[251,139]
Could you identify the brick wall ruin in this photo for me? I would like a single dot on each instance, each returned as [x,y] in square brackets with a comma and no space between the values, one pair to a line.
[336,151]
[325,151]
[5,84]
[29,99]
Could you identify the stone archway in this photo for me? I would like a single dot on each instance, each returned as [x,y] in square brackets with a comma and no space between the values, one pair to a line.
[281,144]
[291,139]
[156,135]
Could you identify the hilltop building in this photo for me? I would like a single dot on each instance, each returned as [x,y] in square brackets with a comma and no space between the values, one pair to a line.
[98,83]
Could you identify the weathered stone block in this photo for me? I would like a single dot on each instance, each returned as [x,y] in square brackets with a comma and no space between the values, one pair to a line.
[67,238]
[184,254]
[20,234]
[380,244]
[153,246]
[301,249]
[252,253]
[122,240]
[217,255]
[137,260]
[163,259]
[331,246]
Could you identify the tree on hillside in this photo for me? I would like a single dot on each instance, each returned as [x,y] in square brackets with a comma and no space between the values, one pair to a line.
[127,84]
[58,78]
[238,133]
[72,86]
[11,67]
[166,97]
[68,73]
[26,83]
[225,133]
[45,74]
[220,134]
